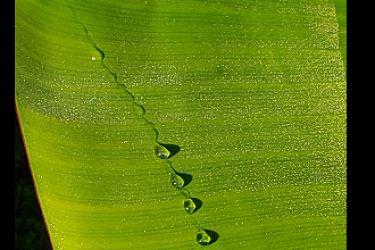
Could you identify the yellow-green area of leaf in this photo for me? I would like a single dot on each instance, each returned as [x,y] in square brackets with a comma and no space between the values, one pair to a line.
[250,94]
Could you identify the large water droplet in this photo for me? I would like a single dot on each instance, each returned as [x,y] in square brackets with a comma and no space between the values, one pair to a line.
[176,180]
[203,238]
[162,152]
[189,206]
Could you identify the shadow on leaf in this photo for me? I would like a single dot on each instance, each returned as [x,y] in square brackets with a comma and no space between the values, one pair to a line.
[214,236]
[173,149]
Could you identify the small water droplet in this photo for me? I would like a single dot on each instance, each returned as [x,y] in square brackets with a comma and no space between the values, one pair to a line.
[189,206]
[95,55]
[220,69]
[176,180]
[203,238]
[162,152]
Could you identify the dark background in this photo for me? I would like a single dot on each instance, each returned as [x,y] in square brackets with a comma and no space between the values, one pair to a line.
[30,231]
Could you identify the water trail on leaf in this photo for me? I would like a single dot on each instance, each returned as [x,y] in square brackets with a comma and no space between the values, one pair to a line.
[159,147]
[204,237]
[113,75]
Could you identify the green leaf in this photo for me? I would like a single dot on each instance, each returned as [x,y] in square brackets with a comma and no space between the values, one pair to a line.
[249,96]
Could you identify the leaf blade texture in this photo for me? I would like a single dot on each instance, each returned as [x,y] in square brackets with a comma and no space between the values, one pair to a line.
[252,92]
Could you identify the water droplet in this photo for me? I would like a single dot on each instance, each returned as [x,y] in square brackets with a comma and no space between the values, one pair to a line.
[189,206]
[176,180]
[95,55]
[203,238]
[220,69]
[162,152]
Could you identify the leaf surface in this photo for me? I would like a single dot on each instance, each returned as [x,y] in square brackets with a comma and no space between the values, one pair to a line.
[253,93]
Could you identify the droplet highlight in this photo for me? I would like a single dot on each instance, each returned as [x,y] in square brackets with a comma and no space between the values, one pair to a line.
[176,180]
[189,206]
[203,238]
[161,152]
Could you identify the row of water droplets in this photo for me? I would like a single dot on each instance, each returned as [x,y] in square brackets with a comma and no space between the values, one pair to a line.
[203,238]
[188,204]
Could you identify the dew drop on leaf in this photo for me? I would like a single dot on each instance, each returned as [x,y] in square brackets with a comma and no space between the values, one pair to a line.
[189,206]
[220,69]
[177,181]
[95,55]
[162,152]
[203,238]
